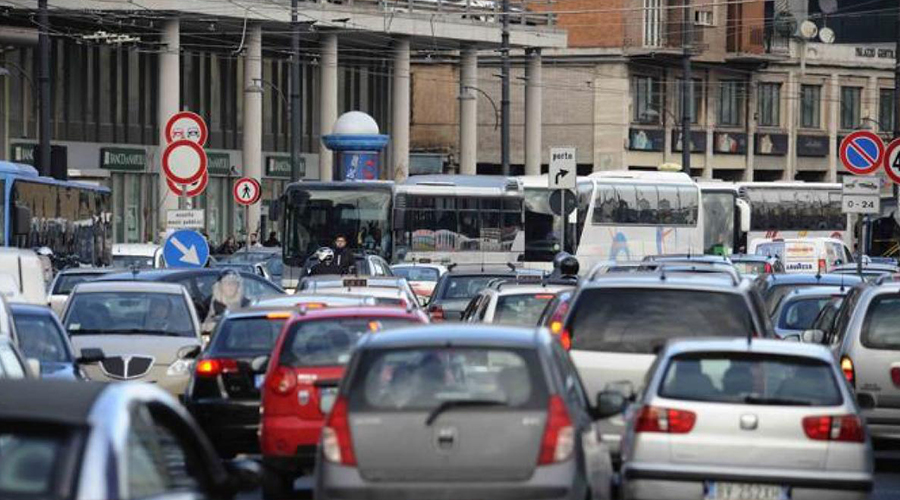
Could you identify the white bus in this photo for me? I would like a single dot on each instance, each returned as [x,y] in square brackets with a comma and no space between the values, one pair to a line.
[543,225]
[726,217]
[795,210]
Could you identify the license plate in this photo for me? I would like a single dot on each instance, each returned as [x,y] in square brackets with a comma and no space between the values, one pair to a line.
[716,490]
[259,379]
[327,395]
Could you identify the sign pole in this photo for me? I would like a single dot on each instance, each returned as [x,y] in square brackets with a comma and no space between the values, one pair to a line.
[562,211]
[859,246]
[247,223]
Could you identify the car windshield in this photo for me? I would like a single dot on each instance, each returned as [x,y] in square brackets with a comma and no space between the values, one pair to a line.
[417,273]
[129,312]
[251,336]
[745,378]
[129,261]
[521,310]
[424,378]
[41,338]
[466,287]
[772,249]
[330,342]
[880,326]
[777,292]
[640,320]
[801,313]
[29,463]
[750,267]
[66,282]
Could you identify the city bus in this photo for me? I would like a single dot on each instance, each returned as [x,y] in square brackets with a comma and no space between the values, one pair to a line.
[726,217]
[73,219]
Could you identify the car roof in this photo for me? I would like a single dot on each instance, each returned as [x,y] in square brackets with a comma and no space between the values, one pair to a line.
[817,291]
[139,249]
[447,335]
[48,401]
[128,286]
[516,289]
[161,274]
[718,281]
[868,266]
[89,270]
[304,297]
[813,279]
[362,311]
[751,257]
[381,292]
[764,346]
[23,307]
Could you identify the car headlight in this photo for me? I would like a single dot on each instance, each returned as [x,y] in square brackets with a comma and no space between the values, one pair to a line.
[180,367]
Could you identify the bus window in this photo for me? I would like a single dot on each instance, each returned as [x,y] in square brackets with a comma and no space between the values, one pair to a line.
[668,205]
[689,207]
[627,209]
[648,204]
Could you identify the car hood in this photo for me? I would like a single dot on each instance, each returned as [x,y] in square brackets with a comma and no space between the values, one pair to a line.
[163,349]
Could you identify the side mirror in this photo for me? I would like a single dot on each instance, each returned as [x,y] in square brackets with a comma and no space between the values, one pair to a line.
[865,401]
[744,215]
[189,352]
[91,355]
[243,475]
[623,387]
[260,364]
[813,336]
[34,366]
[609,403]
[791,338]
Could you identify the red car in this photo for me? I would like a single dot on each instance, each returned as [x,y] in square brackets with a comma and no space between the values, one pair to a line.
[301,383]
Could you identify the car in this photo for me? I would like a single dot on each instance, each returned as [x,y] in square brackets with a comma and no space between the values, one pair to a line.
[137,255]
[733,418]
[43,338]
[799,309]
[554,314]
[148,331]
[313,300]
[26,274]
[365,265]
[483,412]
[804,255]
[13,364]
[347,284]
[224,392]
[199,284]
[455,290]
[65,281]
[87,441]
[773,287]
[269,257]
[688,259]
[756,265]
[422,276]
[509,303]
[870,270]
[613,266]
[257,268]
[617,323]
[301,379]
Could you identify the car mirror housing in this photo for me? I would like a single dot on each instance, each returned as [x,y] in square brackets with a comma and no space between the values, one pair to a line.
[610,403]
[813,336]
[91,355]
[260,364]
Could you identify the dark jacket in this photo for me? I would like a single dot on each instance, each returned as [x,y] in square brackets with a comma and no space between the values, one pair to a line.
[343,259]
[321,268]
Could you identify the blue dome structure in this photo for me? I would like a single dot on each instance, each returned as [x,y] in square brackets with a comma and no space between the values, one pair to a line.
[356,140]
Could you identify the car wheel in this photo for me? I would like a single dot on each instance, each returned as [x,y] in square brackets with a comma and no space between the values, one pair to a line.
[277,486]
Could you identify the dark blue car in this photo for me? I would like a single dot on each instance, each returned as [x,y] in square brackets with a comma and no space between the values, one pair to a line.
[42,337]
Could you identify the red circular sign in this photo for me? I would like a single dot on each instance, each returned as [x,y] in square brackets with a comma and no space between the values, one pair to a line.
[247,191]
[892,161]
[186,125]
[197,187]
[180,152]
[862,152]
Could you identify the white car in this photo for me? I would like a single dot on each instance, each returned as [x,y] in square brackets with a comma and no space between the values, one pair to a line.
[804,255]
[734,419]
[26,276]
[66,280]
[510,304]
[421,277]
[140,255]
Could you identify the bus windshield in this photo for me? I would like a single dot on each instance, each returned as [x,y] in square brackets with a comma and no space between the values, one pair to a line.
[361,215]
[542,227]
[718,222]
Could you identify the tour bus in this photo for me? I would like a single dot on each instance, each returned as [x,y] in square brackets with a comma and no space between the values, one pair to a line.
[795,210]
[73,219]
[726,217]
[543,223]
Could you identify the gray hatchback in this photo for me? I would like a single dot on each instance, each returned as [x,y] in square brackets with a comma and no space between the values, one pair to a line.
[476,413]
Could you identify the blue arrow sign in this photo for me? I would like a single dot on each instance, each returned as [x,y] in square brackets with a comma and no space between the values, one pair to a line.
[186,248]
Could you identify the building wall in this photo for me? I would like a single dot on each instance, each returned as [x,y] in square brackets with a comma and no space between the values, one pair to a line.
[434,124]
[591,23]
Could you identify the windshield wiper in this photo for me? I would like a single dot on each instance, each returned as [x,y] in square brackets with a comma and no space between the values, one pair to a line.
[759,400]
[460,403]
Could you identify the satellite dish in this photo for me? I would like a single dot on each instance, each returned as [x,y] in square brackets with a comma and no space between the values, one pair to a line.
[828,6]
[826,34]
[785,23]
[808,29]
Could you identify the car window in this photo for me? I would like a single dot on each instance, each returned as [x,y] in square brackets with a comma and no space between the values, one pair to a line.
[417,273]
[800,314]
[749,267]
[880,325]
[521,310]
[29,462]
[468,313]
[330,342]
[12,366]
[255,289]
[481,309]
[420,379]
[571,379]
[157,462]
[66,282]
[465,287]
[640,320]
[745,378]
[129,312]
[246,336]
[41,338]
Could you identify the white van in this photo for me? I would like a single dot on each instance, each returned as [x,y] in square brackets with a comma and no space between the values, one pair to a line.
[804,255]
[26,272]
[140,255]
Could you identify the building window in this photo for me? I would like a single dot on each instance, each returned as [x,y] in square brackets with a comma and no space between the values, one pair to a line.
[703,17]
[810,106]
[653,23]
[645,90]
[696,105]
[769,105]
[731,102]
[886,110]
[850,107]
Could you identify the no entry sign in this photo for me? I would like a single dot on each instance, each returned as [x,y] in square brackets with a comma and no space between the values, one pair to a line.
[184,162]
[862,152]
[247,191]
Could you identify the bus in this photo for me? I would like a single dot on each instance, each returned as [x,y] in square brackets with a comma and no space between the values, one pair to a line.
[795,210]
[726,217]
[543,226]
[72,219]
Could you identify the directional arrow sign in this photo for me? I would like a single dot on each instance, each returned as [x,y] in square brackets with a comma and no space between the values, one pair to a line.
[562,168]
[186,248]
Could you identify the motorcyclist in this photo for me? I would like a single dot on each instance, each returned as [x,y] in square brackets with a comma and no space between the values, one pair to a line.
[325,263]
[565,267]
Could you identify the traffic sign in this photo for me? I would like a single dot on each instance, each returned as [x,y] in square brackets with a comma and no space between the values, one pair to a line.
[892,161]
[247,191]
[563,169]
[862,152]
[186,126]
[186,248]
[185,219]
[193,189]
[556,202]
[861,195]
[184,162]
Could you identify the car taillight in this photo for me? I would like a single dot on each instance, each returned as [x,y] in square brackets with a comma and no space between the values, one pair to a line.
[556,325]
[215,367]
[558,440]
[337,444]
[895,376]
[823,266]
[667,420]
[565,338]
[282,380]
[849,372]
[437,313]
[846,428]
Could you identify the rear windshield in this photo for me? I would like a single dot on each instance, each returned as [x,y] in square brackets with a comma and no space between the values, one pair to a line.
[29,463]
[330,342]
[139,261]
[774,249]
[640,320]
[751,379]
[247,336]
[417,273]
[880,328]
[800,314]
[423,378]
[465,287]
[66,282]
[521,310]
[777,292]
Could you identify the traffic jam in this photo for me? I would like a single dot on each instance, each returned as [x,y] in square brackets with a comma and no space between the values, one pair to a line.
[466,337]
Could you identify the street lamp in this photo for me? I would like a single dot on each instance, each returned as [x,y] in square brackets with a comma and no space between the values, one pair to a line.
[881,127]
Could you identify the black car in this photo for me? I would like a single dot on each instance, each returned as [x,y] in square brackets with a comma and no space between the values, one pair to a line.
[223,394]
[199,283]
[455,289]
[42,337]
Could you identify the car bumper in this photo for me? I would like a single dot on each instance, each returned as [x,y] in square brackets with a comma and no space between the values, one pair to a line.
[665,482]
[289,443]
[883,423]
[546,483]
[232,426]
[174,384]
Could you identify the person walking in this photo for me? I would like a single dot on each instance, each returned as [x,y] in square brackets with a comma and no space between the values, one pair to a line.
[272,241]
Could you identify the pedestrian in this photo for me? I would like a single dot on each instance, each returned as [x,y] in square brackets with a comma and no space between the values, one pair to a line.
[228,246]
[254,240]
[272,241]
[343,256]
[227,295]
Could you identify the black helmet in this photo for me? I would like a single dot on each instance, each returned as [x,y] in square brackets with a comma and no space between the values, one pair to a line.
[566,264]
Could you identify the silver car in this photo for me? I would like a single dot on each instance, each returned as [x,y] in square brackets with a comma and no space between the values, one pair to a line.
[732,419]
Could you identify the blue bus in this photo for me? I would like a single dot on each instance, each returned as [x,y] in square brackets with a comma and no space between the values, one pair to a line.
[73,219]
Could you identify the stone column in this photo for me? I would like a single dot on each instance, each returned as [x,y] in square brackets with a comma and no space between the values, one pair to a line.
[251,153]
[328,67]
[169,76]
[833,117]
[400,111]
[792,89]
[752,106]
[468,111]
[533,112]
